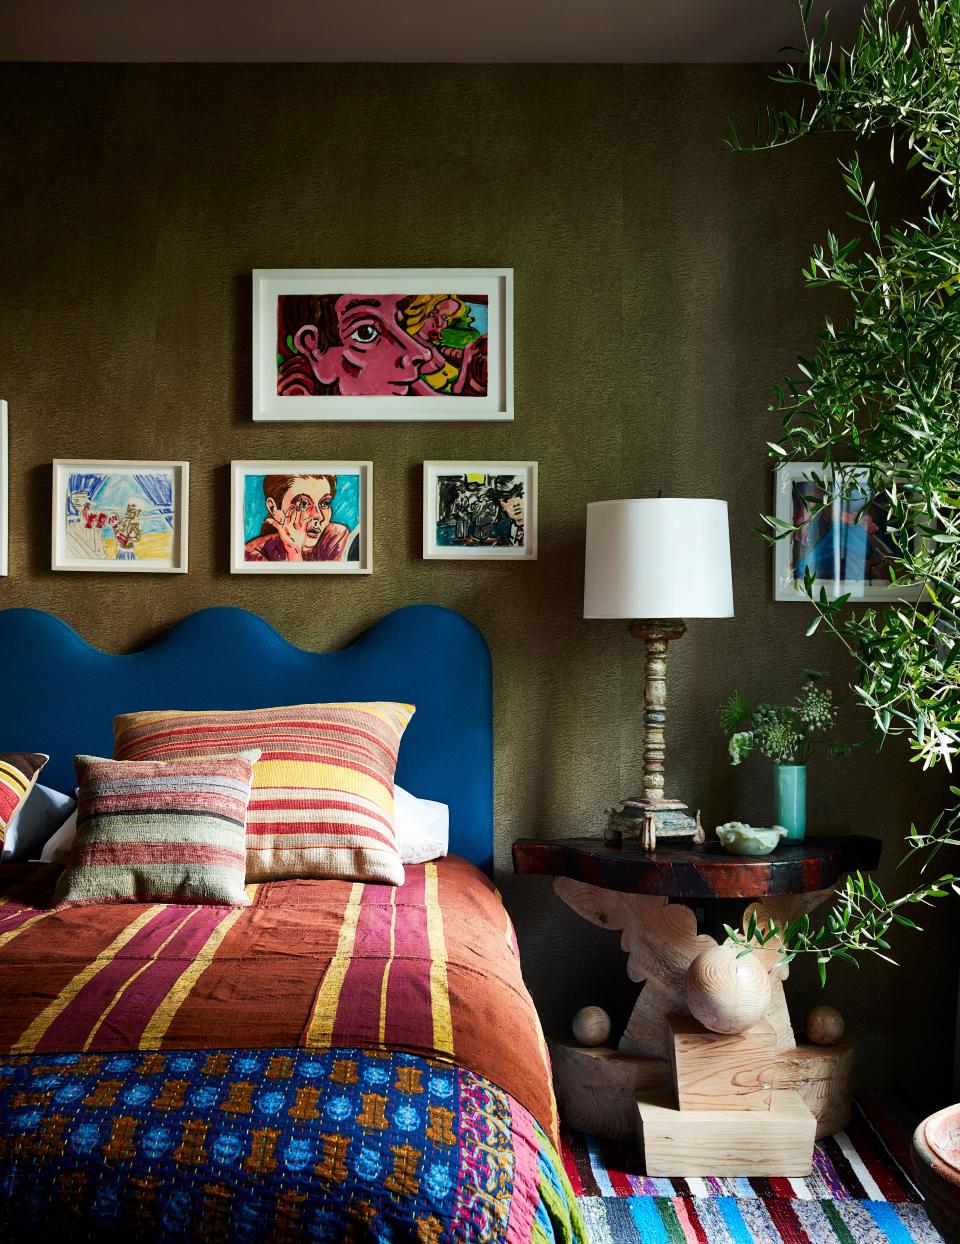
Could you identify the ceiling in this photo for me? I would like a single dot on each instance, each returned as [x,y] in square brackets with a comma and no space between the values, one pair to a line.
[631,31]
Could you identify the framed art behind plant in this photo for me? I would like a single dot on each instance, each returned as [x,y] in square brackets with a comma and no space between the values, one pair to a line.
[301,518]
[383,344]
[4,482]
[847,544]
[120,516]
[480,511]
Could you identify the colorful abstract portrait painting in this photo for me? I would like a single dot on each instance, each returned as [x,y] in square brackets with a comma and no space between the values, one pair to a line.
[476,510]
[301,518]
[120,516]
[417,344]
[841,535]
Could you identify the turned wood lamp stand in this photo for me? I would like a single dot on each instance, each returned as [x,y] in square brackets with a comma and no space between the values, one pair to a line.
[659,560]
[650,813]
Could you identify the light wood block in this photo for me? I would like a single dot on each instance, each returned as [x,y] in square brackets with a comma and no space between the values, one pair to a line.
[823,1076]
[722,1071]
[685,1143]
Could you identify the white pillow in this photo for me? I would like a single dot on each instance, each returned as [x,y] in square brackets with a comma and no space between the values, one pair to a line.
[422,827]
[44,811]
[57,848]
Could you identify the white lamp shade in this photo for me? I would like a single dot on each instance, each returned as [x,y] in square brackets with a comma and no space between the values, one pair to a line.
[663,557]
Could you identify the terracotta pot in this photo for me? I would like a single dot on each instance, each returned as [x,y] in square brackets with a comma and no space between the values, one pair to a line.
[936,1161]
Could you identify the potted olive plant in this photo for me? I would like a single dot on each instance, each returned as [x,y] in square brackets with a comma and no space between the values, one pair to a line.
[882,389]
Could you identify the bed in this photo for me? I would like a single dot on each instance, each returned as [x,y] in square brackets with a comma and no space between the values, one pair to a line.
[335,1060]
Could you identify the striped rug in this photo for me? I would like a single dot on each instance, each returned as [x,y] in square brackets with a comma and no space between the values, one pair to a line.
[861,1192]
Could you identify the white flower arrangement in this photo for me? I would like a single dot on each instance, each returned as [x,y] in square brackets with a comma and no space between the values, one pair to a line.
[784,734]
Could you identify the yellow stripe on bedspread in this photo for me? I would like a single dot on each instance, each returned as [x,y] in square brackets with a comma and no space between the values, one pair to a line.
[426,967]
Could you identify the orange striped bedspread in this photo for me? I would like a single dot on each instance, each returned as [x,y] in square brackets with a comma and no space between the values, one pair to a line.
[430,967]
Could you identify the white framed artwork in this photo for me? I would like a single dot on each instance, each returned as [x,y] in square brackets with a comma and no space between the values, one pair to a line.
[120,516]
[480,511]
[366,344]
[848,544]
[4,483]
[301,517]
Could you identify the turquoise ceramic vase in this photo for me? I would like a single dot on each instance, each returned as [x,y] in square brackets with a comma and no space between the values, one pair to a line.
[790,783]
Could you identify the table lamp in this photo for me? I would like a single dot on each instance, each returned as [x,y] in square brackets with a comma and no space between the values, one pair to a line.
[656,561]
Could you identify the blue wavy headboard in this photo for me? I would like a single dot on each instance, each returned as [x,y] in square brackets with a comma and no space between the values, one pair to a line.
[59,695]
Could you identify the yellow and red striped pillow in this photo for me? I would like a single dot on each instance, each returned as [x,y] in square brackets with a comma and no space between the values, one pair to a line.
[18,773]
[322,799]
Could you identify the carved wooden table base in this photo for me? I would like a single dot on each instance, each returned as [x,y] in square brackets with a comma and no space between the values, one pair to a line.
[661,941]
[597,1089]
[629,889]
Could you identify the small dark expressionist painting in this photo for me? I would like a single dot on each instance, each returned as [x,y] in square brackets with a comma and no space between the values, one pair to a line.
[476,510]
[480,510]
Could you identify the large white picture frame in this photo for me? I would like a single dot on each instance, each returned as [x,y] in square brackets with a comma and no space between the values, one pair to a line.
[368,344]
[845,545]
[297,517]
[480,511]
[122,516]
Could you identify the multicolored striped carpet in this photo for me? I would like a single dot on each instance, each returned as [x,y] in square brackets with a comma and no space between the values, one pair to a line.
[861,1192]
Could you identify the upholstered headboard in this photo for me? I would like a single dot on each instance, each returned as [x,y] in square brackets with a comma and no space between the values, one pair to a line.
[59,695]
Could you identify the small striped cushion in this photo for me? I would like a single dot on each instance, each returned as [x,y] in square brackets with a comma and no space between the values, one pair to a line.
[322,801]
[18,773]
[158,832]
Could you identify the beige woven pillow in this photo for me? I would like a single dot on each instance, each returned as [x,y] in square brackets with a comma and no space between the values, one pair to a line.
[152,831]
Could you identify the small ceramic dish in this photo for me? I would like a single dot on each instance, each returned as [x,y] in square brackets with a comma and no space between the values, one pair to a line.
[741,839]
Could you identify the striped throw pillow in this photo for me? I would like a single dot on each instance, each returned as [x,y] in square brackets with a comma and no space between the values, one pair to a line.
[18,773]
[153,831]
[322,800]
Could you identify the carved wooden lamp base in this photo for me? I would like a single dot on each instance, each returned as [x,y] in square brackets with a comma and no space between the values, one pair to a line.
[650,815]
[648,821]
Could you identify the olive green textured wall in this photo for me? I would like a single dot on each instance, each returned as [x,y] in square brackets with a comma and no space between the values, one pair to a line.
[658,295]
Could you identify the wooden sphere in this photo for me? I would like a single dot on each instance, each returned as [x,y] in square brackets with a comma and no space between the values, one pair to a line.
[591,1025]
[824,1025]
[727,994]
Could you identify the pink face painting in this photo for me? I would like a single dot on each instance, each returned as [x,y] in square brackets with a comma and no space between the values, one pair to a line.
[375,354]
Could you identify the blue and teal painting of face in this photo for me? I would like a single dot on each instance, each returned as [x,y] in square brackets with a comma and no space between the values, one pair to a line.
[302,517]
